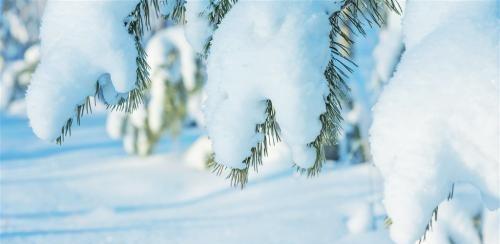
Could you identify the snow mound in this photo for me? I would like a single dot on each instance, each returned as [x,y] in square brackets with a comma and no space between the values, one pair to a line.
[81,41]
[437,122]
[267,50]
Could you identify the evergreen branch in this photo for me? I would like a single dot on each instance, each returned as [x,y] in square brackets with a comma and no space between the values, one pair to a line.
[351,18]
[216,12]
[139,21]
[178,14]
[270,130]
[428,227]
[80,110]
[136,23]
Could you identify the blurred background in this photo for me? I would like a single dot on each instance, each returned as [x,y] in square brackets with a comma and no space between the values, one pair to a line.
[143,177]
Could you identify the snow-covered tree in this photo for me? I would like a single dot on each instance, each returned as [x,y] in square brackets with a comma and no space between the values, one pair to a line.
[267,62]
[175,77]
[278,71]
[295,63]
[102,58]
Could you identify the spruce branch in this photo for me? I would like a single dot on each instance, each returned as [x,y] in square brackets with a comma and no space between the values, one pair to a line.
[352,17]
[270,130]
[136,23]
[80,110]
[216,12]
[139,20]
[178,14]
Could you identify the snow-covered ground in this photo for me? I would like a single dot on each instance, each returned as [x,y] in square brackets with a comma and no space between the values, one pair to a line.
[90,191]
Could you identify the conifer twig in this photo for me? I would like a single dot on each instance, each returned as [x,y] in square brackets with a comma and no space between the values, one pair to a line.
[352,17]
[352,14]
[136,23]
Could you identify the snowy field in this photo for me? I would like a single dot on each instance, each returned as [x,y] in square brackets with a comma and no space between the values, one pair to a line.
[90,191]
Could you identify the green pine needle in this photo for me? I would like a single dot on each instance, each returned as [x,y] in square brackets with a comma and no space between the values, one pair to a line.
[352,18]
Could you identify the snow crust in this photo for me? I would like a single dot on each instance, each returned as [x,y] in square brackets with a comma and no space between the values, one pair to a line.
[275,50]
[437,122]
[80,42]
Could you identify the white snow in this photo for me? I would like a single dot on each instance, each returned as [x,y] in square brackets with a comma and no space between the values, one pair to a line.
[198,29]
[361,220]
[456,219]
[80,41]
[198,153]
[389,46]
[437,121]
[275,50]
[115,124]
[90,191]
[491,227]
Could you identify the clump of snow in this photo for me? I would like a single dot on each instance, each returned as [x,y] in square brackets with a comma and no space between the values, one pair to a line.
[276,50]
[198,153]
[436,123]
[80,41]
